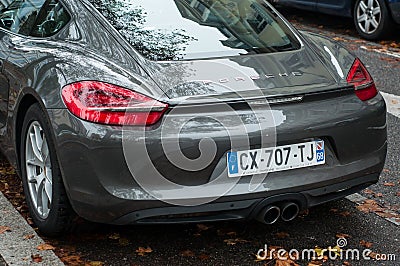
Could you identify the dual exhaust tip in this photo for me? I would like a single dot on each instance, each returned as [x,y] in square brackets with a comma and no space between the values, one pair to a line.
[270,214]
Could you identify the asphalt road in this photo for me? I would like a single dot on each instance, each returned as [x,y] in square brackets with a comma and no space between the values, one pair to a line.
[236,243]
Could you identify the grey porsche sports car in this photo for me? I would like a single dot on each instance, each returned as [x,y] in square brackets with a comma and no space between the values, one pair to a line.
[167,111]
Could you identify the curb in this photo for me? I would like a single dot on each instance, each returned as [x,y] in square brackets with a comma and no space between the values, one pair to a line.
[359,199]
[14,248]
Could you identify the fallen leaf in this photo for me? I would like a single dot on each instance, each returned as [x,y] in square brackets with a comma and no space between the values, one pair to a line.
[141,251]
[36,258]
[123,242]
[226,232]
[203,256]
[235,241]
[346,263]
[345,213]
[282,235]
[342,235]
[387,214]
[95,263]
[187,253]
[314,263]
[372,255]
[72,260]
[339,39]
[114,236]
[4,229]
[285,263]
[365,244]
[389,184]
[398,194]
[45,247]
[378,195]
[284,260]
[369,206]
[202,227]
[29,237]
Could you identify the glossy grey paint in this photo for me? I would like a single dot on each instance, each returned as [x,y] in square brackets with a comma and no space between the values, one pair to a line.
[91,159]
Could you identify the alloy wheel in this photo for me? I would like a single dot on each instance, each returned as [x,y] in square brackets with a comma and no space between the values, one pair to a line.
[369,15]
[38,169]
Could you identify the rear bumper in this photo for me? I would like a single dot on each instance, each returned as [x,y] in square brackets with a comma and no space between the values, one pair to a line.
[245,209]
[102,189]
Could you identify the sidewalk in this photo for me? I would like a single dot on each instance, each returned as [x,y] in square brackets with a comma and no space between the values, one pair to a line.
[15,247]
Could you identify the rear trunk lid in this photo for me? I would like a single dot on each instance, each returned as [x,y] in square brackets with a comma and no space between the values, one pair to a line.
[248,76]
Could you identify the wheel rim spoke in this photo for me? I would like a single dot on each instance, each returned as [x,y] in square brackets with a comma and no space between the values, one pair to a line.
[363,7]
[362,18]
[370,3]
[35,148]
[45,151]
[367,24]
[34,162]
[374,23]
[48,187]
[376,11]
[40,178]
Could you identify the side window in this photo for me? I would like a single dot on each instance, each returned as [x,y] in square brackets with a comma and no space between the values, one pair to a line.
[52,18]
[38,18]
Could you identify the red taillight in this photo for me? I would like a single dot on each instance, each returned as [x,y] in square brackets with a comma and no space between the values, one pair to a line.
[109,104]
[364,85]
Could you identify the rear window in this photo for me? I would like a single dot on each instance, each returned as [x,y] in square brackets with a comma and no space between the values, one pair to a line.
[193,29]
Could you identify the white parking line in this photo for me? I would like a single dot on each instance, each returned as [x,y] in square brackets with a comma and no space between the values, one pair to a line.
[393,103]
[382,51]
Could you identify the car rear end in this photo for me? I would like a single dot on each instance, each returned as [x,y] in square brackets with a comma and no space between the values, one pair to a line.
[254,136]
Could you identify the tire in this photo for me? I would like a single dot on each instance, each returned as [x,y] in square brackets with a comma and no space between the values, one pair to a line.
[41,177]
[372,19]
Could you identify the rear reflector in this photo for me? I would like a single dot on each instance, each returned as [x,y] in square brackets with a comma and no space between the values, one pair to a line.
[109,104]
[364,85]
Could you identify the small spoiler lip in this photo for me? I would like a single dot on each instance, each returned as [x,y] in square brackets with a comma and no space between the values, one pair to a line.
[279,100]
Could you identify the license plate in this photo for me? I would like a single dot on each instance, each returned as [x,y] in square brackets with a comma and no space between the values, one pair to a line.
[275,159]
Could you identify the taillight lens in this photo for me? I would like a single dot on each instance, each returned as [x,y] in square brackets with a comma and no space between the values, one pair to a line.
[364,85]
[109,104]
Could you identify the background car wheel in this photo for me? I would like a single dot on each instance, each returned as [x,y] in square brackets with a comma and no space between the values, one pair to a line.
[41,177]
[372,19]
